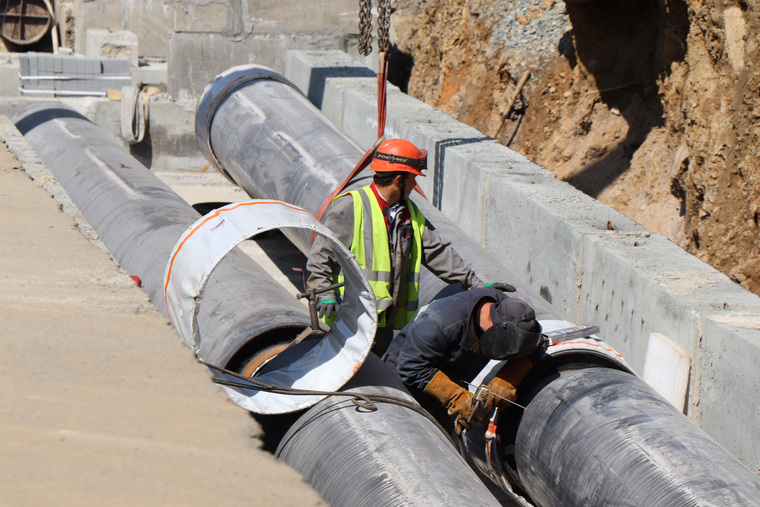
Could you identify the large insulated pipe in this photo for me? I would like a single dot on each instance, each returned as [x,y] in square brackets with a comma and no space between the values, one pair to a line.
[140,220]
[378,442]
[265,136]
[604,437]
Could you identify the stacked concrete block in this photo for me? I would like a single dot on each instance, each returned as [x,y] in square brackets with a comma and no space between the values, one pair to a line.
[43,74]
[112,44]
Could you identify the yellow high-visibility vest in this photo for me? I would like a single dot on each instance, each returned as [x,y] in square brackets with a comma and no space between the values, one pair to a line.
[372,251]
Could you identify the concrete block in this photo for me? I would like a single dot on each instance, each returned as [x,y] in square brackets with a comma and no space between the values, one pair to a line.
[112,44]
[92,15]
[544,257]
[222,16]
[150,20]
[310,71]
[195,59]
[359,114]
[153,73]
[730,387]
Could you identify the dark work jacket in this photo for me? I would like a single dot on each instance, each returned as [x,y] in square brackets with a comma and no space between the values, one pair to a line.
[442,337]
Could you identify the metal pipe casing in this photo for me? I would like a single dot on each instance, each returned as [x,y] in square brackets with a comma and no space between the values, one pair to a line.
[139,219]
[604,437]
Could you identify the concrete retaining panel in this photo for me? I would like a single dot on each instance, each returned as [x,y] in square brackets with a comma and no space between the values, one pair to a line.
[196,58]
[588,260]
[151,21]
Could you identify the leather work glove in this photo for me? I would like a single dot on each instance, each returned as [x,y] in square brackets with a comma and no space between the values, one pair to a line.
[502,286]
[458,401]
[327,308]
[504,385]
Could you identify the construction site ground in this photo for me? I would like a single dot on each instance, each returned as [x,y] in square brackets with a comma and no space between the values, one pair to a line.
[102,403]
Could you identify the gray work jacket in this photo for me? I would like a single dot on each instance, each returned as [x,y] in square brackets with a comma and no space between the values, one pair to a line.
[437,255]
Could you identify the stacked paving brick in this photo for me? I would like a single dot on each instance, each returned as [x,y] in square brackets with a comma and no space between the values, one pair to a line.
[43,74]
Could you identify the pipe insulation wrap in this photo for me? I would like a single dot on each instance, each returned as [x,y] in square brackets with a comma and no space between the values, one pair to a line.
[605,437]
[323,364]
[393,456]
[139,219]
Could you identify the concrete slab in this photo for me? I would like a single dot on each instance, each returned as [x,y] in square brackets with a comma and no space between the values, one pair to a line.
[102,402]
[150,21]
[196,58]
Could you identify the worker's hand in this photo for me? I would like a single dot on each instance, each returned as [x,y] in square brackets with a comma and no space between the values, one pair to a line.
[458,401]
[500,393]
[327,307]
[503,387]
[502,286]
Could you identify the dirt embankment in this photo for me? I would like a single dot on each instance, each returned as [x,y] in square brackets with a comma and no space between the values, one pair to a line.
[651,106]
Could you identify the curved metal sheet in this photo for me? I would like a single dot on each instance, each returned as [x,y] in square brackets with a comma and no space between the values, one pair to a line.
[324,367]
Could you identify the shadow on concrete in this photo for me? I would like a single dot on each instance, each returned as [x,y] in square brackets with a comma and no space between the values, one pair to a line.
[320,75]
[627,47]
[440,158]
[143,151]
[400,67]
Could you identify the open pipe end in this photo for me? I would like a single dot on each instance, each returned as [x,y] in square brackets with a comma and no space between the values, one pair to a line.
[214,94]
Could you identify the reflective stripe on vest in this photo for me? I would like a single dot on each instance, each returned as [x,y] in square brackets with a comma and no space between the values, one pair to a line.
[370,246]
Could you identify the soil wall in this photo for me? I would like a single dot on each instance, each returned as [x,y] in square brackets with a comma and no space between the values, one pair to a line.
[648,105]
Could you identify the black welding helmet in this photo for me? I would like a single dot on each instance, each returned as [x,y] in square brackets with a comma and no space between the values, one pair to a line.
[515,331]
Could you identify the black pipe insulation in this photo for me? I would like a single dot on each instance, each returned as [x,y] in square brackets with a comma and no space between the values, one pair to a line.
[139,219]
[381,457]
[599,436]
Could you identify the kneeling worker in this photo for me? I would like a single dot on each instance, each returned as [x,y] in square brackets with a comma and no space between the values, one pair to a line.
[452,340]
[391,239]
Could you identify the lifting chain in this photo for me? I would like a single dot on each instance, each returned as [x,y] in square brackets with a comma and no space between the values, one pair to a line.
[383,26]
[365,27]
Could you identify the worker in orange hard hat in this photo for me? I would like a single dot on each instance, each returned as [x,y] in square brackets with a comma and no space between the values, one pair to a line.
[391,240]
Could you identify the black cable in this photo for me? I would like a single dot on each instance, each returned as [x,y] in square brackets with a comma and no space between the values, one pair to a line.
[361,400]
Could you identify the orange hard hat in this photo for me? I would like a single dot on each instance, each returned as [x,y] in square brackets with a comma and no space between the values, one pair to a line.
[399,155]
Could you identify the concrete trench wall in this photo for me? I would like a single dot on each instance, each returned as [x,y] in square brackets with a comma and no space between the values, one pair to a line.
[201,38]
[589,261]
